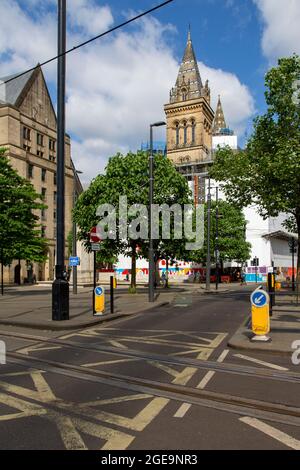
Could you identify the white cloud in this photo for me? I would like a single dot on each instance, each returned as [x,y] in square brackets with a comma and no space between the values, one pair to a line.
[281,35]
[23,40]
[120,90]
[117,85]
[237,101]
[91,18]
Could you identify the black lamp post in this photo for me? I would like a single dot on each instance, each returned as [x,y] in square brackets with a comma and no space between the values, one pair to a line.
[60,287]
[217,238]
[208,263]
[74,234]
[151,189]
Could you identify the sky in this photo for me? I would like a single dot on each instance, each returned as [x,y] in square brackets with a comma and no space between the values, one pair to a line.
[117,85]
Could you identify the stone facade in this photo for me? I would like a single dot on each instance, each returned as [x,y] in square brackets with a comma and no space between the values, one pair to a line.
[189,115]
[28,132]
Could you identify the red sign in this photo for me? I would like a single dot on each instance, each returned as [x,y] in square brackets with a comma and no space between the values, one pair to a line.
[94,238]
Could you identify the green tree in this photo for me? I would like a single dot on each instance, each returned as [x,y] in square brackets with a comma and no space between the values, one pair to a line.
[128,176]
[20,235]
[267,172]
[232,244]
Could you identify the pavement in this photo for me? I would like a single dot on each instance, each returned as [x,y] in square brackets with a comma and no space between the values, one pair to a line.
[285,329]
[30,307]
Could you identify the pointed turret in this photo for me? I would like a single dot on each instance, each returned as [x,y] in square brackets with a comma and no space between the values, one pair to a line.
[188,84]
[219,122]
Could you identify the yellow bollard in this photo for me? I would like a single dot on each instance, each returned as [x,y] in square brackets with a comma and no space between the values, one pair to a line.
[260,301]
[99,294]
[115,282]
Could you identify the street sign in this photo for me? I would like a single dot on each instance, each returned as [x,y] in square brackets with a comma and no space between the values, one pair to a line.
[99,293]
[95,247]
[74,261]
[94,238]
[260,298]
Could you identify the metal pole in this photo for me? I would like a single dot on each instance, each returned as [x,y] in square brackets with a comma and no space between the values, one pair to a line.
[60,287]
[293,265]
[111,294]
[74,247]
[217,238]
[151,252]
[255,264]
[167,272]
[208,238]
[94,281]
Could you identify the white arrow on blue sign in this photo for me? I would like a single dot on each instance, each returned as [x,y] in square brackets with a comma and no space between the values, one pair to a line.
[260,298]
[98,291]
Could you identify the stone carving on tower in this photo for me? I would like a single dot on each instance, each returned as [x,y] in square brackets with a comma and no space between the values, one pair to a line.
[189,114]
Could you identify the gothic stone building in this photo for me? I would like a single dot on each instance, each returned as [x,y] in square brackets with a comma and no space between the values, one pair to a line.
[28,131]
[190,122]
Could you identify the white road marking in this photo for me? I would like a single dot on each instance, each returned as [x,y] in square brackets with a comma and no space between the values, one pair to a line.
[272,432]
[184,408]
[258,361]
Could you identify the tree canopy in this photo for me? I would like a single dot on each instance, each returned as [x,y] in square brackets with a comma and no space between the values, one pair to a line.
[267,172]
[20,235]
[231,243]
[129,176]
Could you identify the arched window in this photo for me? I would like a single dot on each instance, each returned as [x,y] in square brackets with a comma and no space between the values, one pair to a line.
[184,94]
[193,131]
[177,133]
[184,133]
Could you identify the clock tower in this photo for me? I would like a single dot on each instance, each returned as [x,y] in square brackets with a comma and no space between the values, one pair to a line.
[189,115]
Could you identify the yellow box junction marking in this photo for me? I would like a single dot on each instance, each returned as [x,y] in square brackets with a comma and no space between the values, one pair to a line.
[70,428]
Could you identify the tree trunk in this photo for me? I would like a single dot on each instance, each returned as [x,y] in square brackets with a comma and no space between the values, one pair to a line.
[133,267]
[2,273]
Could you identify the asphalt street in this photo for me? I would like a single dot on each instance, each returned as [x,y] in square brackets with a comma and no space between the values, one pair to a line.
[162,379]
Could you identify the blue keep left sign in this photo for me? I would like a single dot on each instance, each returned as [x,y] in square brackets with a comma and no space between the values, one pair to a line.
[260,298]
[98,291]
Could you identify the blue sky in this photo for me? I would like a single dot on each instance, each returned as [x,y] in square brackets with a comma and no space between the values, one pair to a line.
[119,84]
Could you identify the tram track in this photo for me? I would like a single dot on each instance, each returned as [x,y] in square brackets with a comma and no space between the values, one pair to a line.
[279,413]
[275,412]
[229,368]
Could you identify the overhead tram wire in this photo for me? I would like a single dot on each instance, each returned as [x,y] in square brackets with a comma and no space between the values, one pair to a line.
[115,28]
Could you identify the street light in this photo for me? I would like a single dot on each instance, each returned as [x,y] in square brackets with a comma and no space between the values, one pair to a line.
[217,254]
[217,238]
[208,267]
[74,235]
[151,187]
[60,287]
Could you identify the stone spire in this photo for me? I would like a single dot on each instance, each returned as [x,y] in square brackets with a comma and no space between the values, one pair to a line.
[188,84]
[219,122]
